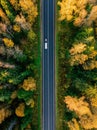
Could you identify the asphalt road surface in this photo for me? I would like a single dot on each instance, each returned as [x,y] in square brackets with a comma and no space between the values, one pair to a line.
[48,64]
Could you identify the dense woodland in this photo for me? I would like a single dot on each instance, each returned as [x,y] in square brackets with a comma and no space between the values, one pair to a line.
[19,64]
[77,65]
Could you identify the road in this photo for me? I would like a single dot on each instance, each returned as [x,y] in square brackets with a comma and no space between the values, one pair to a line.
[48,64]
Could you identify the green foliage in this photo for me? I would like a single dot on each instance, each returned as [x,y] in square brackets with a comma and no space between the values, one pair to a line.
[5,95]
[69,115]
[25,95]
[85,35]
[26,120]
[14,77]
[20,57]
[17,80]
[31,36]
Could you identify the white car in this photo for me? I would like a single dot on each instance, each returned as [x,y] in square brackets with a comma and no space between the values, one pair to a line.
[46,45]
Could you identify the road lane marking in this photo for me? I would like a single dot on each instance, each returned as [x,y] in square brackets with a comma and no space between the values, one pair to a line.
[48,69]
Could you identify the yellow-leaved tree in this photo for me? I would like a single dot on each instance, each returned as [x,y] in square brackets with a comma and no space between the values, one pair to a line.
[76,11]
[87,116]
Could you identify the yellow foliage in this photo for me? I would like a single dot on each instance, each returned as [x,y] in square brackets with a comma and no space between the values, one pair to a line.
[21,21]
[93,54]
[20,110]
[79,106]
[14,95]
[4,113]
[87,119]
[67,7]
[77,56]
[94,101]
[91,92]
[16,28]
[75,10]
[78,59]
[77,48]
[90,65]
[29,84]
[8,42]
[30,8]
[71,8]
[73,125]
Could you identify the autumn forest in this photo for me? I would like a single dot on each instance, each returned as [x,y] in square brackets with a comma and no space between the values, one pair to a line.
[77,64]
[21,61]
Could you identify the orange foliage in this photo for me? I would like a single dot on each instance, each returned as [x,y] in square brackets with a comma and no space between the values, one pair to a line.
[78,105]
[20,110]
[94,101]
[89,122]
[4,113]
[73,125]
[3,16]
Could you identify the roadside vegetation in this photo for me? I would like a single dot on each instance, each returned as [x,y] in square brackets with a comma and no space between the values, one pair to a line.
[19,65]
[77,65]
